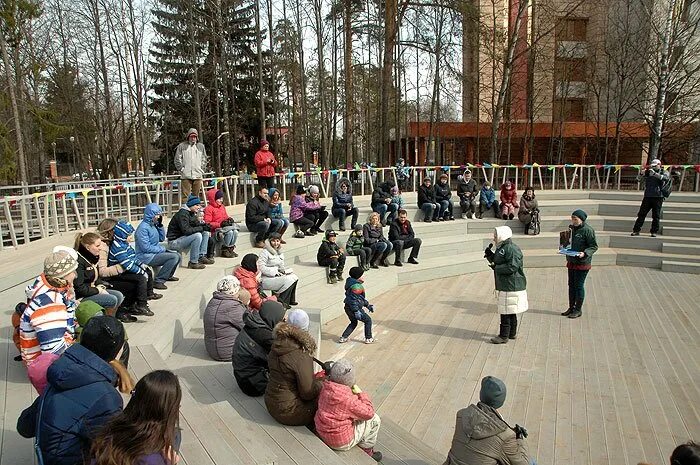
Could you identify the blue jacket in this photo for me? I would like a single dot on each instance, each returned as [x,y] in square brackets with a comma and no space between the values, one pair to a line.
[121,252]
[149,235]
[80,399]
[355,295]
[487,197]
[275,211]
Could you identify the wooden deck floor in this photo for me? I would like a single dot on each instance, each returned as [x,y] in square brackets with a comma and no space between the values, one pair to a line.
[619,386]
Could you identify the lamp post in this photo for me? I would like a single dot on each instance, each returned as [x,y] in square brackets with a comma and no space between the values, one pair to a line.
[75,163]
[218,151]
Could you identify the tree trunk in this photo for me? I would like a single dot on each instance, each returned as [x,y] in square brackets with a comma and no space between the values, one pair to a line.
[11,85]
[390,31]
[349,124]
[261,82]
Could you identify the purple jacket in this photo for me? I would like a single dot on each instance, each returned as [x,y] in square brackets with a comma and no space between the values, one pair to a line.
[300,204]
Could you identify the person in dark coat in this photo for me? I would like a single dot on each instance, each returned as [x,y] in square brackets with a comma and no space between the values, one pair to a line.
[252,346]
[223,318]
[375,240]
[402,237]
[257,217]
[654,179]
[529,208]
[186,232]
[381,202]
[80,397]
[582,240]
[482,436]
[292,390]
[468,193]
[87,284]
[343,205]
[330,254]
[444,198]
[426,200]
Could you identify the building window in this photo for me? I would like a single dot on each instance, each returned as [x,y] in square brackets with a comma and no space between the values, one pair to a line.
[571,29]
[568,110]
[569,69]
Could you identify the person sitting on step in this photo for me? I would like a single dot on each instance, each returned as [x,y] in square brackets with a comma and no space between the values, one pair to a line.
[149,235]
[223,228]
[396,198]
[346,417]
[249,277]
[87,284]
[375,240]
[275,275]
[276,213]
[355,247]
[223,318]
[186,232]
[529,208]
[381,202]
[487,201]
[509,200]
[343,205]
[468,194]
[355,305]
[252,346]
[402,237]
[331,255]
[426,200]
[257,217]
[444,198]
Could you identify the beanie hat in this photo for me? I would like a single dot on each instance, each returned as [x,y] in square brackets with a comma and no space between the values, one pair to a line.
[580,214]
[330,233]
[228,285]
[300,189]
[263,143]
[356,272]
[192,131]
[298,318]
[358,227]
[342,372]
[250,262]
[70,251]
[313,189]
[272,312]
[218,195]
[493,392]
[104,336]
[86,310]
[466,172]
[192,200]
[59,264]
[655,162]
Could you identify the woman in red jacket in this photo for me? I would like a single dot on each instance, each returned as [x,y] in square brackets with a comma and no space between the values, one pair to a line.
[509,200]
[223,228]
[249,278]
[265,164]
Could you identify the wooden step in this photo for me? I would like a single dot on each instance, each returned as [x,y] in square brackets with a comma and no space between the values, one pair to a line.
[394,441]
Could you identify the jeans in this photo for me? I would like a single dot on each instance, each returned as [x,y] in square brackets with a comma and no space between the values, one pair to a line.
[381,249]
[445,208]
[430,211]
[229,238]
[341,213]
[577,292]
[468,205]
[113,299]
[168,262]
[197,244]
[413,244]
[382,208]
[353,323]
[263,228]
[649,203]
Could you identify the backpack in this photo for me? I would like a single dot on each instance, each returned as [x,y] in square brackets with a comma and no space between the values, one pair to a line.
[667,187]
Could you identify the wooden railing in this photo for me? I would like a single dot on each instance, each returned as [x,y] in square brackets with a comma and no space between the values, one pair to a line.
[45,210]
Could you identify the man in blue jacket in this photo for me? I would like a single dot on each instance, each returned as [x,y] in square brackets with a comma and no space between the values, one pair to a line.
[149,235]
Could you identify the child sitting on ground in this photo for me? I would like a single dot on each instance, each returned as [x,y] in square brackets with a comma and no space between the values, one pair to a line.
[355,304]
[396,198]
[355,247]
[345,417]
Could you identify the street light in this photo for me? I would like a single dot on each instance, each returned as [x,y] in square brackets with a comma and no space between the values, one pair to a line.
[218,152]
[75,162]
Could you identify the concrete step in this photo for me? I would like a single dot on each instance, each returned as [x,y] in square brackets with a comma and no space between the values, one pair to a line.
[676,197]
[680,267]
[685,231]
[681,249]
[629,257]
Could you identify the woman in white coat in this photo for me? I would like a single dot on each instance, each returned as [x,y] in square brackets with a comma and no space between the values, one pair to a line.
[507,264]
[275,276]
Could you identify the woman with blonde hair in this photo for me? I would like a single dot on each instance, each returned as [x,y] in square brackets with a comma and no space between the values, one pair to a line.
[87,283]
[375,240]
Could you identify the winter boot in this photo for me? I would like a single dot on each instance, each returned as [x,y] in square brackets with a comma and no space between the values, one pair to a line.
[141,308]
[376,455]
[330,274]
[577,310]
[513,332]
[511,216]
[504,332]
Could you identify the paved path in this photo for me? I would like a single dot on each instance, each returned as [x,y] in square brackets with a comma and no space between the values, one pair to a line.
[618,386]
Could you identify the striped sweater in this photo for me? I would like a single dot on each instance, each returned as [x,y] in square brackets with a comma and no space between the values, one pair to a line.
[120,252]
[48,322]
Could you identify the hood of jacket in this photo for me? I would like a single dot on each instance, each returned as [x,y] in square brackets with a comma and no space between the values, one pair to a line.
[336,394]
[343,181]
[241,273]
[289,338]
[150,211]
[481,422]
[350,281]
[78,367]
[271,249]
[41,286]
[505,189]
[211,199]
[503,233]
[123,230]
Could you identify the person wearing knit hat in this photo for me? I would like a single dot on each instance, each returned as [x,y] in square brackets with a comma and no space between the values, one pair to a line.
[249,278]
[346,417]
[59,265]
[581,239]
[488,201]
[186,232]
[331,256]
[355,305]
[69,250]
[506,260]
[223,318]
[468,193]
[657,186]
[223,228]
[298,318]
[265,164]
[343,205]
[81,385]
[191,162]
[481,434]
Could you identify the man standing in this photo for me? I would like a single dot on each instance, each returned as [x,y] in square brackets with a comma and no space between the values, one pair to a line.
[191,161]
[257,217]
[402,236]
[654,179]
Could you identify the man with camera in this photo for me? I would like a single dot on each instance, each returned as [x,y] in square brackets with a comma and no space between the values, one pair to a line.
[257,217]
[149,250]
[655,182]
[187,232]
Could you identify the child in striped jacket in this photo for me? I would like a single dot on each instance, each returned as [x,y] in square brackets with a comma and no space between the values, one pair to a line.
[120,252]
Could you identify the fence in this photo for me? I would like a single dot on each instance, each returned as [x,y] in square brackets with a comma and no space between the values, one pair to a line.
[46,210]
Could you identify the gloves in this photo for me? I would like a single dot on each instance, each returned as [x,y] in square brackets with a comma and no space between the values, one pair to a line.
[159,222]
[206,227]
[370,308]
[520,432]
[488,253]
[356,389]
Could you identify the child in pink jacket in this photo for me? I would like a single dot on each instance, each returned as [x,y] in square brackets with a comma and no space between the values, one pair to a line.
[345,417]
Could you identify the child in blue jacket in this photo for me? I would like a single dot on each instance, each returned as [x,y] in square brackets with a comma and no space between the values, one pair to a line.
[355,304]
[487,200]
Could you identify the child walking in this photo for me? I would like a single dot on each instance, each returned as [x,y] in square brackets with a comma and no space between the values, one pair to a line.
[355,304]
[345,417]
[355,247]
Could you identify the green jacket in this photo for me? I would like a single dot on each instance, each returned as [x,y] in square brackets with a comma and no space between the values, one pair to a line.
[508,267]
[583,240]
[354,244]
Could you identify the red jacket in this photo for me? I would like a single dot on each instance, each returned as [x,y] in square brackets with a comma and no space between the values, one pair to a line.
[265,163]
[250,283]
[338,408]
[214,213]
[509,195]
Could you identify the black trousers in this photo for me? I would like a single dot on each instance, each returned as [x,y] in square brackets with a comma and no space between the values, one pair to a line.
[509,326]
[413,244]
[135,287]
[306,222]
[336,264]
[289,295]
[577,291]
[266,181]
[365,253]
[649,203]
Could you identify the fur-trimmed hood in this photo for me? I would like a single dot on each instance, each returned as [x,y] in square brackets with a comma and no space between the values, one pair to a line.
[288,338]
[271,249]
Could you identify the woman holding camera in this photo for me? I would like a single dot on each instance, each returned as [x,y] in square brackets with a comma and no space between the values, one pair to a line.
[507,264]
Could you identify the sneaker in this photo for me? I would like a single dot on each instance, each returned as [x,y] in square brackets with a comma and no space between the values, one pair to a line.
[154,296]
[575,314]
[464,216]
[635,233]
[653,234]
[141,309]
[385,263]
[125,317]
[173,278]
[568,312]
[413,261]
[299,234]
[451,218]
[441,219]
[470,215]
[370,340]
[498,340]
[195,266]
[342,340]
[206,260]
[398,264]
[159,285]
[428,221]
[375,266]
